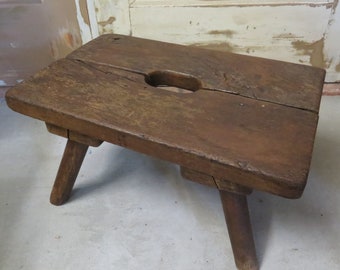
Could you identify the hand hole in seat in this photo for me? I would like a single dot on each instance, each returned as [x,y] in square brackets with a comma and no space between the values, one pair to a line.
[173,81]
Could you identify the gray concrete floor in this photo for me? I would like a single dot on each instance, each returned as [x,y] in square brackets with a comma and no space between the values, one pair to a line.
[130,211]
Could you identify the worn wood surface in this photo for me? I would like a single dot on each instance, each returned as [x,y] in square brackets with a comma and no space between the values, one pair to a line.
[209,180]
[236,213]
[68,170]
[257,78]
[198,177]
[249,120]
[72,135]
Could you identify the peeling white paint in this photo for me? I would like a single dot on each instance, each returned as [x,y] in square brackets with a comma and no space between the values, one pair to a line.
[92,17]
[85,30]
[248,30]
[113,16]
[332,45]
[287,30]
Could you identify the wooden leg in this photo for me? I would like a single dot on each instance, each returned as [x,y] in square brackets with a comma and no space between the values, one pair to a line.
[68,170]
[240,232]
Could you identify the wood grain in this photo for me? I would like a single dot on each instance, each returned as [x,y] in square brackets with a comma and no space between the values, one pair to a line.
[68,170]
[262,141]
[236,213]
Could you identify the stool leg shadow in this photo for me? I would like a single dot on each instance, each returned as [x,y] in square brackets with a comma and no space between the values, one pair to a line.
[68,171]
[236,213]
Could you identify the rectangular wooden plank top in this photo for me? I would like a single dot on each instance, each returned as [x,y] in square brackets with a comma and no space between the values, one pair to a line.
[247,120]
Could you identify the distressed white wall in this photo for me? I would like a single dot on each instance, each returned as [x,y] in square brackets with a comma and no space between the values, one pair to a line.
[332,45]
[113,16]
[35,32]
[297,31]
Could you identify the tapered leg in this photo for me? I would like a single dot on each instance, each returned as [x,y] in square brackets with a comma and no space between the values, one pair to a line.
[68,170]
[239,227]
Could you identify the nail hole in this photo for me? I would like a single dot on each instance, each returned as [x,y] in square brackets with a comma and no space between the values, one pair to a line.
[173,81]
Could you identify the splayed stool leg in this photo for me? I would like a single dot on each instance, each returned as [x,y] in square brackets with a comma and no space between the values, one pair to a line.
[68,171]
[236,213]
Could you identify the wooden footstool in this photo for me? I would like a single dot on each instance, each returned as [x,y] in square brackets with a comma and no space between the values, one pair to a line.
[230,121]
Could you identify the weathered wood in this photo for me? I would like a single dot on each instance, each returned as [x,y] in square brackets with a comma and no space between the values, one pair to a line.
[226,185]
[253,77]
[236,213]
[209,180]
[63,132]
[72,135]
[68,170]
[198,177]
[226,134]
[243,123]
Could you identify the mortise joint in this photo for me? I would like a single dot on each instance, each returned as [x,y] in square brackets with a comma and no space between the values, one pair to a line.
[73,135]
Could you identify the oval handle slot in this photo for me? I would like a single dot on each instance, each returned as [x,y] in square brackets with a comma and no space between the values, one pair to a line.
[173,81]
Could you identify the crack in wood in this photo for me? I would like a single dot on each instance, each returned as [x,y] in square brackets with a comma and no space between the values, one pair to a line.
[91,64]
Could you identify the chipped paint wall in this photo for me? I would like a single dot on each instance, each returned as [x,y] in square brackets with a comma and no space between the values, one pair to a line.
[113,16]
[33,34]
[297,31]
[331,45]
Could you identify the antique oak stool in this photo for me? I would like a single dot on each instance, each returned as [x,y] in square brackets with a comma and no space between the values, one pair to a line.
[233,122]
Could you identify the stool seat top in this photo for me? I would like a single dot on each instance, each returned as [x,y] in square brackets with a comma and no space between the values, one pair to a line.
[247,120]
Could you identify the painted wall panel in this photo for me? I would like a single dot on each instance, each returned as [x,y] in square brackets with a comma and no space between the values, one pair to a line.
[113,16]
[332,45]
[220,3]
[298,31]
[282,32]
